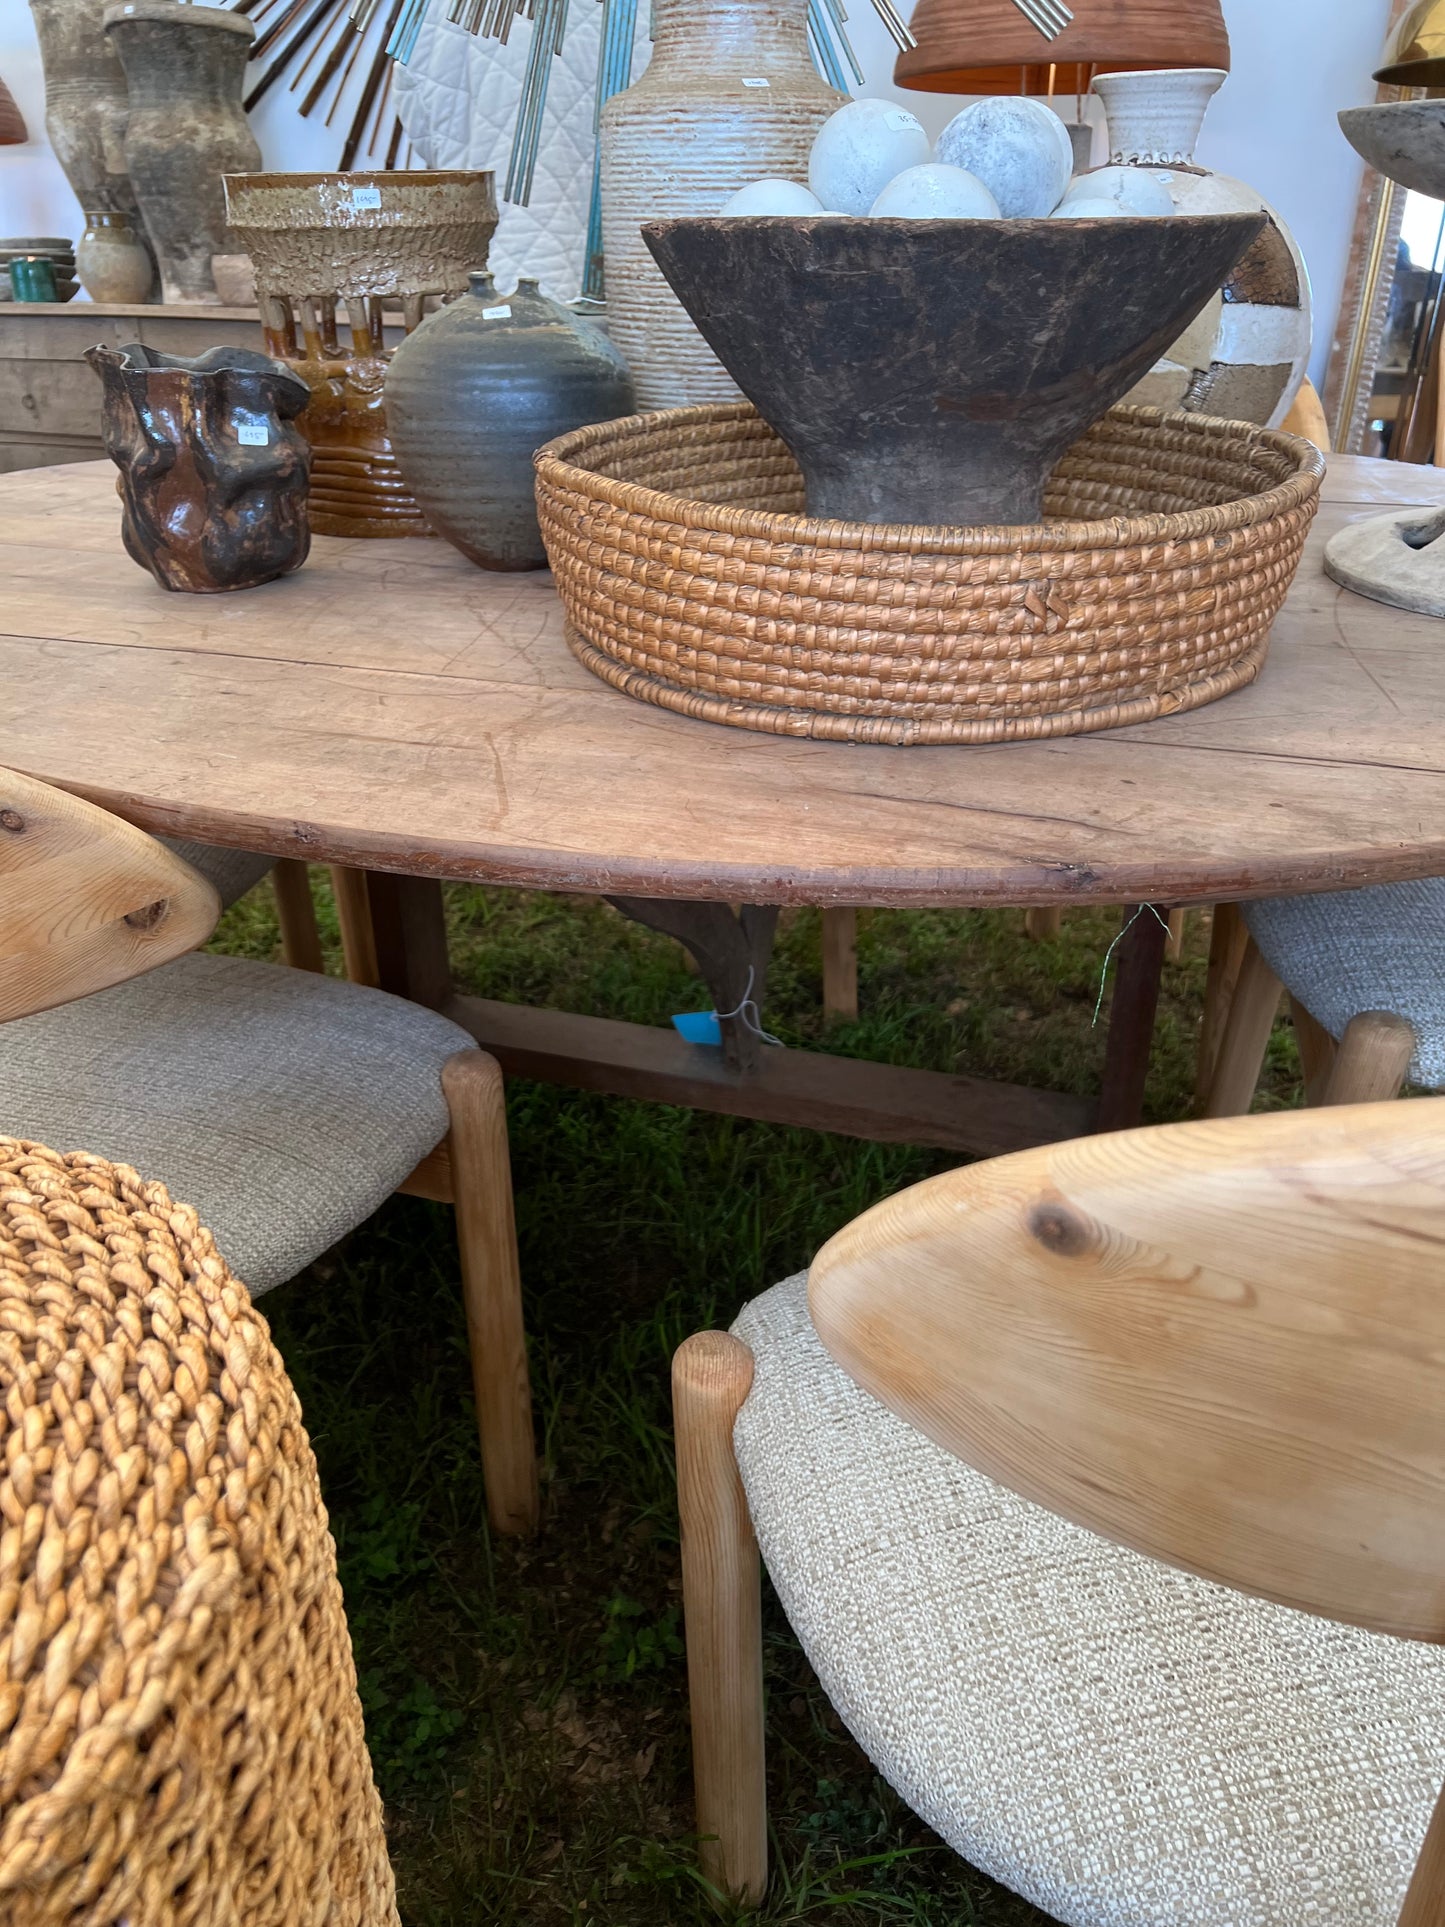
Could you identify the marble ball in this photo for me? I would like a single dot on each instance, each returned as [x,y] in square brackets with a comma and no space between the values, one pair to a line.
[859,149]
[1092,207]
[773,196]
[935,192]
[1017,147]
[1135,189]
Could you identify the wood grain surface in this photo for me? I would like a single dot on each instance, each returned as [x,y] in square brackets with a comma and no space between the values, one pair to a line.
[1222,1343]
[392,708]
[86,901]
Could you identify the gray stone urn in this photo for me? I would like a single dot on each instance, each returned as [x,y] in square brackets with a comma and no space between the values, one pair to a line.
[475,391]
[86,106]
[184,66]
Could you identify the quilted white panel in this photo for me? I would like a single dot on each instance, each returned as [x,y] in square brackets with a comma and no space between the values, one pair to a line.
[457,98]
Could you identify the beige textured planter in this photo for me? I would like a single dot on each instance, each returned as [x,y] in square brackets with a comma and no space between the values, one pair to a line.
[730,95]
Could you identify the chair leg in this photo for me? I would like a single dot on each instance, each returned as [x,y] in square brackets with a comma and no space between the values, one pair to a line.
[721,1593]
[358,939]
[840,966]
[1316,1051]
[1252,1011]
[296,913]
[1373,1060]
[492,1287]
[1178,923]
[1043,925]
[1227,940]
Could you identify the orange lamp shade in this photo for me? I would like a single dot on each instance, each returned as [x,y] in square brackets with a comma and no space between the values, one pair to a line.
[988,47]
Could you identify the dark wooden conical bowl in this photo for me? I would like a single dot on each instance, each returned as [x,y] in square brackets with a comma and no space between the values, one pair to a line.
[935,371]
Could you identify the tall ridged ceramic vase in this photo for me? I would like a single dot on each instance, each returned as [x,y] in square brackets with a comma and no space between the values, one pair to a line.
[1246,354]
[86,105]
[185,68]
[730,95]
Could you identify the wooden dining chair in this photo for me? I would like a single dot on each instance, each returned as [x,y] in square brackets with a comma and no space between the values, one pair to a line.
[284,1106]
[1365,975]
[1103,1486]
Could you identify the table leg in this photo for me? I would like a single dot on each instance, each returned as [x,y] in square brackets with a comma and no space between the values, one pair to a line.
[732,951]
[1131,1018]
[409,936]
[840,966]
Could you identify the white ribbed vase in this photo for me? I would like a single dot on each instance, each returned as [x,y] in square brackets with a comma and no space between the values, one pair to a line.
[1246,354]
[1156,117]
[683,138]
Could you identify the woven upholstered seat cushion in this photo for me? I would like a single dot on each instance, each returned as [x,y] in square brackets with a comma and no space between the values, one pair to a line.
[1123,1744]
[232,872]
[1353,950]
[284,1106]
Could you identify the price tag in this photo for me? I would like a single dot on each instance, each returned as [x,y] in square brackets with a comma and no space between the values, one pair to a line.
[253,434]
[899,119]
[504,313]
[699,1027]
[366,197]
[757,83]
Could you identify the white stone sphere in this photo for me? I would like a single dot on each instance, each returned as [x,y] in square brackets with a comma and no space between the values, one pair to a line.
[773,196]
[934,192]
[1134,189]
[1017,147]
[1092,207]
[859,149]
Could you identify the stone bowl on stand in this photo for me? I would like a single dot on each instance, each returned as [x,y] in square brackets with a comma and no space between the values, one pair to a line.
[1397,559]
[934,372]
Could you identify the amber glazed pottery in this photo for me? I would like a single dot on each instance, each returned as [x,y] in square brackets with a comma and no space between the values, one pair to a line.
[329,249]
[691,579]
[213,470]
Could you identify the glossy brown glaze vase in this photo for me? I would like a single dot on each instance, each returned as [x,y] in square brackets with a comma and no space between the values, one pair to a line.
[472,395]
[184,68]
[213,470]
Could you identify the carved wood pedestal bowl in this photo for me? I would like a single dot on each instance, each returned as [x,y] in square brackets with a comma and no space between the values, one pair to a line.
[933,372]
[328,246]
[692,579]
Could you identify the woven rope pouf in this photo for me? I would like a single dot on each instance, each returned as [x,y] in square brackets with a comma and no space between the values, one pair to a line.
[180,1735]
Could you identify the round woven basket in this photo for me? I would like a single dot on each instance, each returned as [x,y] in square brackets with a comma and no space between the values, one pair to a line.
[690,580]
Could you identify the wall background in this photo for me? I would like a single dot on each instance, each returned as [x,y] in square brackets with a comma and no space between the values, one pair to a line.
[1296,62]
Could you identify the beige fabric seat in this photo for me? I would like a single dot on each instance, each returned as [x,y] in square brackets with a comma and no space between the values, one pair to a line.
[1123,1744]
[284,1106]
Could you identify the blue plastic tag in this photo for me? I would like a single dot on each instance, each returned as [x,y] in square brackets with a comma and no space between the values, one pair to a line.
[699,1027]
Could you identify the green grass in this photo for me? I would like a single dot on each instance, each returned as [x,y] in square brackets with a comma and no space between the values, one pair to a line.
[526,1702]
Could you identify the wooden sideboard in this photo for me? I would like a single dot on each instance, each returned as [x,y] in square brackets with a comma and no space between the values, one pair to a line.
[49,398]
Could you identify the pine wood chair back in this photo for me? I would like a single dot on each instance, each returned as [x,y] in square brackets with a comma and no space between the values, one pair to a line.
[1221,1343]
[86,900]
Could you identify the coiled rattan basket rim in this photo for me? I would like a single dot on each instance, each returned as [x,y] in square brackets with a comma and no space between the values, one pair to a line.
[563,464]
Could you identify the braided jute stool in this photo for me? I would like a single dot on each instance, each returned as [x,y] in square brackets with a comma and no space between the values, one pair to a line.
[180,1735]
[690,579]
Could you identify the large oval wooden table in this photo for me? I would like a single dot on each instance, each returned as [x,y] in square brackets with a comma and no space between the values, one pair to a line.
[393,709]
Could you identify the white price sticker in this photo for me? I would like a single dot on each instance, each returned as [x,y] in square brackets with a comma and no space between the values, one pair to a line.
[253,434]
[757,83]
[503,313]
[899,119]
[366,197]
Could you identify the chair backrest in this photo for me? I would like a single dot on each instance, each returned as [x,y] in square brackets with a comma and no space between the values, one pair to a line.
[1222,1344]
[86,900]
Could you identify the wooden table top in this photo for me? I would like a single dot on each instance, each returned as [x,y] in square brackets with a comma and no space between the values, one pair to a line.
[391,706]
